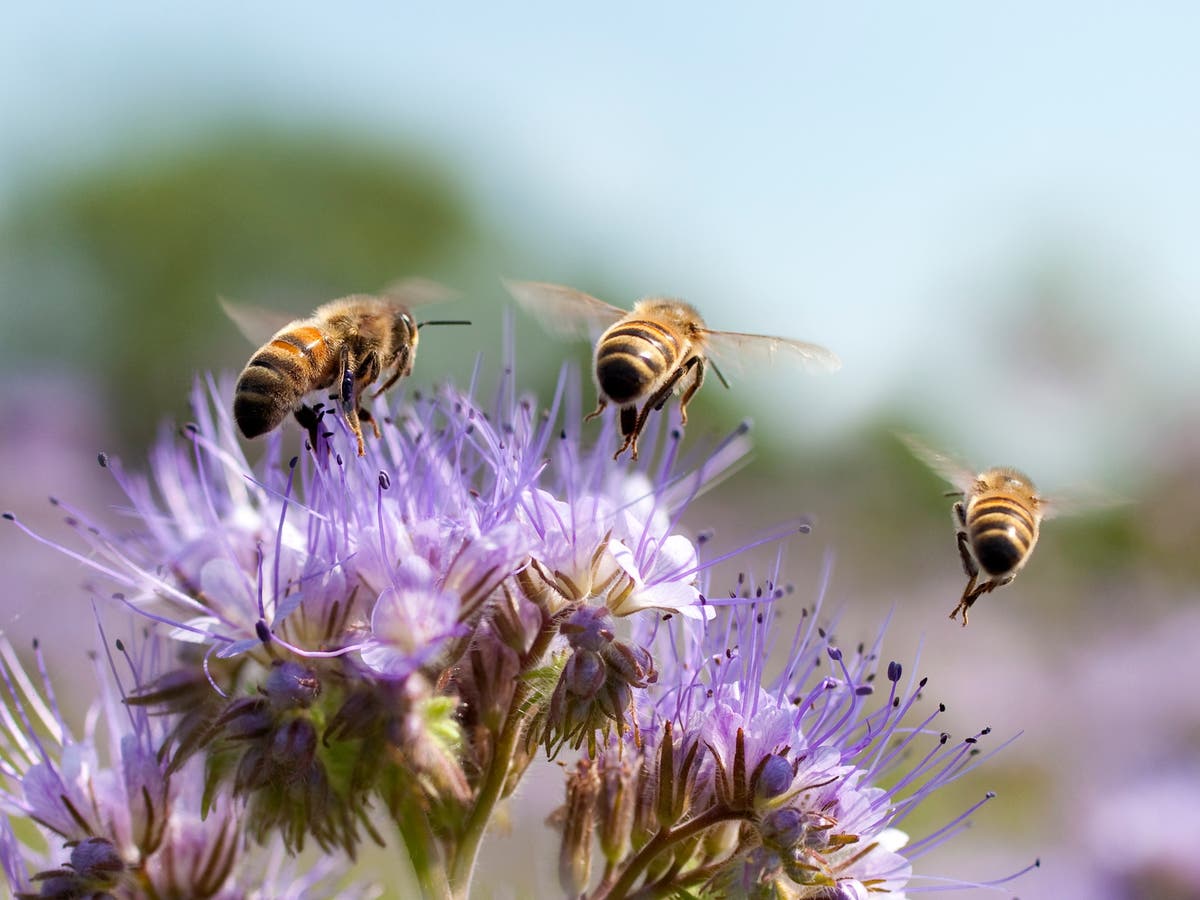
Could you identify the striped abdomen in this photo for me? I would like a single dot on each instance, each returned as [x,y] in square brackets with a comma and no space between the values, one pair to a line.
[294,362]
[1002,531]
[633,357]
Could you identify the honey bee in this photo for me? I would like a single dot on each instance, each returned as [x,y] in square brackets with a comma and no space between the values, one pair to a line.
[659,348]
[997,521]
[345,344]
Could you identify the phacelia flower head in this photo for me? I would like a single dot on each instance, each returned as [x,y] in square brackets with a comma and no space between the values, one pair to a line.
[118,821]
[345,640]
[342,620]
[791,785]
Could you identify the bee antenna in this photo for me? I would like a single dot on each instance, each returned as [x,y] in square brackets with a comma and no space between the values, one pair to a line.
[421,325]
[717,372]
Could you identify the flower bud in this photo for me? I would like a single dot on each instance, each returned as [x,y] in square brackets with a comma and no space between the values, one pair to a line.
[579,823]
[290,685]
[96,859]
[293,749]
[584,674]
[782,829]
[775,776]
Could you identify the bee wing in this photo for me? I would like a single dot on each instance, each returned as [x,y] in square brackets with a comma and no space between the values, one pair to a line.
[418,292]
[563,310]
[734,348]
[258,324]
[953,470]
[1079,501]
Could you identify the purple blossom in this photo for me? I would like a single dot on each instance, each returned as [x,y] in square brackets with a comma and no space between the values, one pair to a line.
[136,828]
[330,554]
[344,639]
[800,780]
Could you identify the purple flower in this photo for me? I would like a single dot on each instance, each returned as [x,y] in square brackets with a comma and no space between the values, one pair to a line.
[787,785]
[342,640]
[338,620]
[131,827]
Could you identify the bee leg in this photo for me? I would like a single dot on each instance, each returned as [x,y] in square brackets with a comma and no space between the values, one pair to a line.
[657,400]
[660,397]
[402,367]
[964,604]
[599,409]
[698,379]
[391,379]
[348,397]
[973,593]
[309,418]
[964,551]
[629,428]
[364,415]
[969,566]
[352,420]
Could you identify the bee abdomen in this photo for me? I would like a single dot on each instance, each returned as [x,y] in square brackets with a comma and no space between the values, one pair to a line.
[632,356]
[1002,533]
[267,390]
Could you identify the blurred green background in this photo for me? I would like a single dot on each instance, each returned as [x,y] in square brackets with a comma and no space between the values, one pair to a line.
[986,217]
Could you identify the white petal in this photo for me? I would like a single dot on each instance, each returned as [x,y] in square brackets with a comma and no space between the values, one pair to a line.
[892,839]
[624,558]
[197,630]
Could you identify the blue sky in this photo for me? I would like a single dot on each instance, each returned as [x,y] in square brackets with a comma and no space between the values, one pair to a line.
[885,179]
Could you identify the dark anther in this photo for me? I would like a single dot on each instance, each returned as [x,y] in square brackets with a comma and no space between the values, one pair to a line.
[102,458]
[262,631]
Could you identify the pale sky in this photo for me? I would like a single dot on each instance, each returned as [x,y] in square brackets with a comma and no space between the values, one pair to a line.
[885,179]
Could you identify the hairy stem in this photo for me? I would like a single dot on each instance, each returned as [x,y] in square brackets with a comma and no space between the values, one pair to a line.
[466,849]
[422,848]
[621,889]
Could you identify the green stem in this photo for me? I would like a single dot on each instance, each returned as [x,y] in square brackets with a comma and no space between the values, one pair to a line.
[462,865]
[422,849]
[714,815]
[665,888]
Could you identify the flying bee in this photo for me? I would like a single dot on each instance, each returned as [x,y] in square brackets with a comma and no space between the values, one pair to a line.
[660,348]
[997,521]
[345,344]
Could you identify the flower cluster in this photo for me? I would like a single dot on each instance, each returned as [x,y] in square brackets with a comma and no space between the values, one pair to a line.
[120,821]
[337,642]
[740,784]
